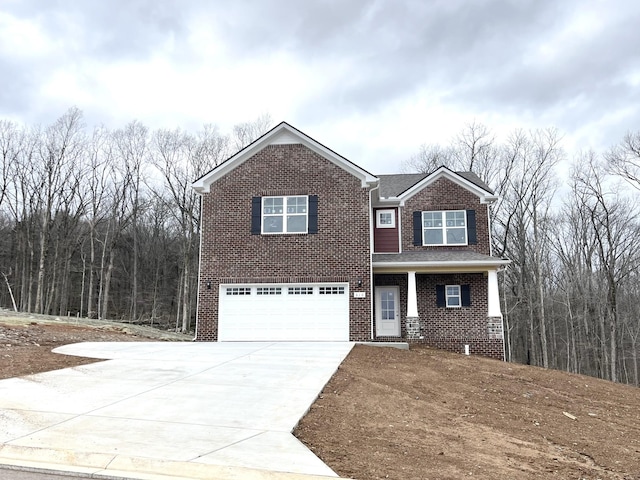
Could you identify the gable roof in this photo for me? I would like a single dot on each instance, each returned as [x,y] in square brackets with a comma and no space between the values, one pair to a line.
[403,186]
[282,134]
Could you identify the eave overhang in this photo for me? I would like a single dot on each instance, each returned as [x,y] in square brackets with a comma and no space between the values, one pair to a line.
[439,267]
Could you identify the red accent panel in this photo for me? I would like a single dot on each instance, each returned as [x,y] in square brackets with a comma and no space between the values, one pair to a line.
[385,240]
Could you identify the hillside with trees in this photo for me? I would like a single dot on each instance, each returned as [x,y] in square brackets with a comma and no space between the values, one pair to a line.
[103,223]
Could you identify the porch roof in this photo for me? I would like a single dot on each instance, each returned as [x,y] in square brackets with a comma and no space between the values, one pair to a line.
[459,260]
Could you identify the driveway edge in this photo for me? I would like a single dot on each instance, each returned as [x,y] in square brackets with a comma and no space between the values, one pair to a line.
[105,467]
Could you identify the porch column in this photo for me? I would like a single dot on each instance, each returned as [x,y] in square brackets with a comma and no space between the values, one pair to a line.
[493,300]
[412,322]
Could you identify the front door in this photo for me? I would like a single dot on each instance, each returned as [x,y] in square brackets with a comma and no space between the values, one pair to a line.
[387,312]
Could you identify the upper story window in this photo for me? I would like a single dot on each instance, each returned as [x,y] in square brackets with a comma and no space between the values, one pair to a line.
[285,214]
[385,219]
[444,228]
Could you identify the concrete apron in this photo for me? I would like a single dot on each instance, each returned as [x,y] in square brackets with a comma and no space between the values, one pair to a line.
[170,410]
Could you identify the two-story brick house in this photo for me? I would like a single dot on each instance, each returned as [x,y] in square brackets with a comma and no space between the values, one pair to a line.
[298,243]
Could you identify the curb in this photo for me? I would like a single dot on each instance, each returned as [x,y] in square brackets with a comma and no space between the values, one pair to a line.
[110,467]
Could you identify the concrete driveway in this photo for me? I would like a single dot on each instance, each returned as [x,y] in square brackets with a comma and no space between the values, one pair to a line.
[187,410]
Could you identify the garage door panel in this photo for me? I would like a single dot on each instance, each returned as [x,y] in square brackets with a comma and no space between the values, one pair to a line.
[284,312]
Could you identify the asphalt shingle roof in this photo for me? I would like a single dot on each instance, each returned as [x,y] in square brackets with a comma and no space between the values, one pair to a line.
[394,185]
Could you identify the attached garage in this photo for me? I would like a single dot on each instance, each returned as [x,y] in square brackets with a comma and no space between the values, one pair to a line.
[284,312]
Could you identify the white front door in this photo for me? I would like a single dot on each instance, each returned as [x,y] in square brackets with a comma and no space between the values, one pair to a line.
[387,311]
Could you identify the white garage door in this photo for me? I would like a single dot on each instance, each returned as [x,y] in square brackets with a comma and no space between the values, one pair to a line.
[284,312]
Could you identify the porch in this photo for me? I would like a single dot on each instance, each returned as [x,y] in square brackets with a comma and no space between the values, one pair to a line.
[447,299]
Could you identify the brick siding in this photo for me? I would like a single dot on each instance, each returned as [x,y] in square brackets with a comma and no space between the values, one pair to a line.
[443,194]
[339,252]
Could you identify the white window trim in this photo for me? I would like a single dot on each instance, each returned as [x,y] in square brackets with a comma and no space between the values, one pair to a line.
[458,296]
[393,218]
[444,229]
[283,215]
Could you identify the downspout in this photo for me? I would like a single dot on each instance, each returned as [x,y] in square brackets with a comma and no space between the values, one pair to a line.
[371,289]
[489,206]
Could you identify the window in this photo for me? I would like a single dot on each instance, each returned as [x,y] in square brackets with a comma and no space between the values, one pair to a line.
[385,219]
[284,214]
[444,228]
[238,291]
[300,290]
[293,214]
[269,291]
[331,290]
[452,296]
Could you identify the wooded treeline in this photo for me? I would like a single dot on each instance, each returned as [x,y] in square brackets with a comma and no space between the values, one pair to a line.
[104,223]
[571,296]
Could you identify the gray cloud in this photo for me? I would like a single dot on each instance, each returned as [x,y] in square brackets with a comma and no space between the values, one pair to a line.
[481,54]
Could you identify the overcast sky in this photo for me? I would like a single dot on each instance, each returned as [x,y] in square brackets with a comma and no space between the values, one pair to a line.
[373,80]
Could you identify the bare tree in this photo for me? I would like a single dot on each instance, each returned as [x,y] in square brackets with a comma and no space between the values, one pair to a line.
[616,231]
[132,146]
[431,157]
[181,158]
[245,133]
[59,153]
[522,229]
[624,159]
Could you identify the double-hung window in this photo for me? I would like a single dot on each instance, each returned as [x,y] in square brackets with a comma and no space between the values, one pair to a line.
[285,214]
[444,227]
[452,296]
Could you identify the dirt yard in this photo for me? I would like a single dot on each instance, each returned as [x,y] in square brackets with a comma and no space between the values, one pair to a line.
[427,414]
[423,414]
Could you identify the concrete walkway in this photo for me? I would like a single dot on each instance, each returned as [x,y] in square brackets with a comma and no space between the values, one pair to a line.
[178,410]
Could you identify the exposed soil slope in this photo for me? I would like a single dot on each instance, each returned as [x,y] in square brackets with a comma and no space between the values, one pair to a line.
[428,414]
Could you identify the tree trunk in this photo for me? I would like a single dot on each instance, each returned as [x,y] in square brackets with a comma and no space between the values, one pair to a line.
[44,234]
[186,295]
[107,284]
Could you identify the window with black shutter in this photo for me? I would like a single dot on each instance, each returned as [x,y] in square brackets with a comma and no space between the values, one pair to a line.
[453,296]
[286,214]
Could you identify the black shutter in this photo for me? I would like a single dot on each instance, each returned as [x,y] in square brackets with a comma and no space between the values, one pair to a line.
[417,229]
[472,236]
[256,215]
[465,293]
[441,301]
[313,214]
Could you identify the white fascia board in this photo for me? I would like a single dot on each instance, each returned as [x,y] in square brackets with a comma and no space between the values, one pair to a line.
[281,135]
[444,264]
[485,196]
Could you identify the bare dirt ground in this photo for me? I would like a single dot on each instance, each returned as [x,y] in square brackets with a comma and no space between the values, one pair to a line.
[420,414]
[428,414]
